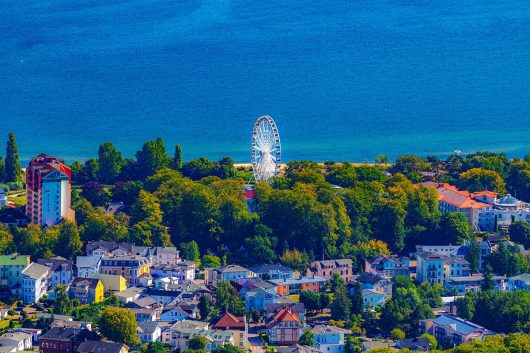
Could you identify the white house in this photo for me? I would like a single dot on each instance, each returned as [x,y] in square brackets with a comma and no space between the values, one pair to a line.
[88,265]
[149,331]
[372,298]
[34,282]
[21,341]
[328,338]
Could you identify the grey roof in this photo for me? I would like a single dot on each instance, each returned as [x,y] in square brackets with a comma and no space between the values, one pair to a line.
[81,281]
[414,344]
[56,263]
[323,329]
[460,325]
[297,348]
[147,326]
[87,261]
[230,268]
[296,280]
[369,278]
[524,277]
[99,347]
[35,271]
[266,268]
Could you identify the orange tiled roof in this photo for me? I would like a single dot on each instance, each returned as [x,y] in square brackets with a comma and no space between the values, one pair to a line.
[230,321]
[458,198]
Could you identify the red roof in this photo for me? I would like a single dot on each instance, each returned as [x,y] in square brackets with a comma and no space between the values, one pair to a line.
[229,321]
[285,314]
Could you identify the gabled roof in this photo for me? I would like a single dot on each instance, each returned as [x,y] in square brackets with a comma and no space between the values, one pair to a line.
[68,333]
[230,268]
[266,268]
[229,321]
[369,278]
[147,327]
[460,325]
[35,271]
[56,264]
[297,348]
[100,347]
[81,281]
[283,315]
[414,344]
[87,261]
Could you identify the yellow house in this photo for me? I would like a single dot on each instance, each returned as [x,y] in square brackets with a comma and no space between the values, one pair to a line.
[113,283]
[87,290]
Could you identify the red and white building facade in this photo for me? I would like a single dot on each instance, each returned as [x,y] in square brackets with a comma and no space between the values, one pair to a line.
[48,186]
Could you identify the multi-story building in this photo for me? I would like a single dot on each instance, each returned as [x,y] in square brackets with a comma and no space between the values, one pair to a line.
[435,268]
[461,285]
[520,282]
[64,339]
[112,283]
[48,188]
[373,282]
[453,330]
[108,248]
[275,271]
[182,271]
[159,255]
[294,286]
[388,266]
[102,347]
[326,269]
[213,275]
[284,327]
[87,290]
[34,282]
[237,325]
[130,267]
[16,341]
[11,267]
[61,270]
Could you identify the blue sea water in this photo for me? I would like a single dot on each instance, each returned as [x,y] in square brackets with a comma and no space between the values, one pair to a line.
[344,80]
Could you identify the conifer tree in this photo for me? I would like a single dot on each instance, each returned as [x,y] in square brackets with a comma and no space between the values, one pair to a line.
[177,159]
[12,163]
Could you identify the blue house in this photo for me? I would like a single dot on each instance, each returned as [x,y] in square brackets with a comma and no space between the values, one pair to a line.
[258,297]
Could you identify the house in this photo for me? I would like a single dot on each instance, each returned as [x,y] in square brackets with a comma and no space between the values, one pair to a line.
[130,267]
[183,271]
[297,308]
[452,330]
[414,344]
[105,248]
[376,344]
[55,316]
[294,286]
[181,331]
[297,348]
[275,271]
[374,282]
[34,332]
[61,270]
[21,341]
[34,282]
[388,266]
[87,265]
[237,325]
[149,331]
[214,338]
[284,328]
[111,283]
[213,275]
[326,269]
[430,267]
[175,313]
[372,298]
[102,347]
[11,267]
[159,255]
[129,295]
[485,249]
[71,324]
[520,282]
[328,338]
[87,290]
[164,296]
[64,340]
[456,267]
[3,198]
[258,297]
[443,250]
[143,315]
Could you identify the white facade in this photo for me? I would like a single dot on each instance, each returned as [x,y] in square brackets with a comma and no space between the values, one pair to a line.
[55,198]
[34,282]
[3,198]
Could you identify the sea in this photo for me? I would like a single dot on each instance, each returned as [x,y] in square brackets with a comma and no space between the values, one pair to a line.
[345,80]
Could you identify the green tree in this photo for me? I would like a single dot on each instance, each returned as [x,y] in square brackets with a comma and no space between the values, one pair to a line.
[12,163]
[397,334]
[307,338]
[155,347]
[520,233]
[260,249]
[2,169]
[204,307]
[102,226]
[6,239]
[62,305]
[210,261]
[477,179]
[311,300]
[488,283]
[177,159]
[382,159]
[152,157]
[341,304]
[69,242]
[473,255]
[295,259]
[190,250]
[454,229]
[228,348]
[227,299]
[433,343]
[389,223]
[90,171]
[465,307]
[357,299]
[95,193]
[110,162]
[197,342]
[119,325]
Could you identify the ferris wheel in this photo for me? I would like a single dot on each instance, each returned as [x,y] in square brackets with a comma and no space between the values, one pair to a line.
[266,149]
